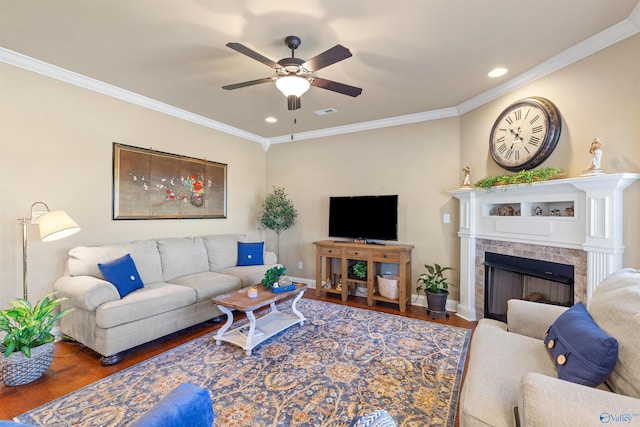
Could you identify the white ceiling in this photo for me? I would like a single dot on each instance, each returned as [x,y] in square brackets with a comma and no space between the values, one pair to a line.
[414,59]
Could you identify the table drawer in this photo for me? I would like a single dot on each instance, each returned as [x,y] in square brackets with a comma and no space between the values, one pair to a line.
[332,252]
[357,253]
[386,256]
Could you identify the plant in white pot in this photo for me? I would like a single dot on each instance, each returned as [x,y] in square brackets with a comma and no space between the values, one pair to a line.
[27,346]
[436,288]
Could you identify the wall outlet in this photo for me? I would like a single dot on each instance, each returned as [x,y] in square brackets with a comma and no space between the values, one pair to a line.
[300,265]
[446,218]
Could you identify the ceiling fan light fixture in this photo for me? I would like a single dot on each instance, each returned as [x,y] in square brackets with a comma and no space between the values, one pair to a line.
[292,85]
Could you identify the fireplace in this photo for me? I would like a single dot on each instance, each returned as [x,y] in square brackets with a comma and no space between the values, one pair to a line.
[512,277]
[574,221]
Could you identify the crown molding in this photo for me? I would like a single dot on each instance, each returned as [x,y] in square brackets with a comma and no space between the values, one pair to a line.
[370,125]
[611,35]
[67,76]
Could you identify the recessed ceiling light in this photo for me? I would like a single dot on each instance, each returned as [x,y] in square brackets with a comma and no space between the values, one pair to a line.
[270,119]
[497,72]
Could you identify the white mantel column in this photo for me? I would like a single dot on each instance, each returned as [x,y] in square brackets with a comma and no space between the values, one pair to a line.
[467,306]
[604,215]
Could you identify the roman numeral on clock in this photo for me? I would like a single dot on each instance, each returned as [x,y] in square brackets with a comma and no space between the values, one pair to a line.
[532,121]
[508,120]
[502,148]
[537,129]
[518,114]
[534,140]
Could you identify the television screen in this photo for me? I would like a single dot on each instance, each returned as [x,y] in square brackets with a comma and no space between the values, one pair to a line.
[364,217]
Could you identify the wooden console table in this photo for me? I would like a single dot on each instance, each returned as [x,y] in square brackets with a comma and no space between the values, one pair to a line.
[374,255]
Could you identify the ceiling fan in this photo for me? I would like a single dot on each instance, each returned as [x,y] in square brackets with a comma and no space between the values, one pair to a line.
[294,76]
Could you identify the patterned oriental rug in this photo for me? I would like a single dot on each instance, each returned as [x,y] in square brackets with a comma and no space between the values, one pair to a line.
[343,362]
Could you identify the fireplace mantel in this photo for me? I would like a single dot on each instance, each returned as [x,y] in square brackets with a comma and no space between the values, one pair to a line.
[578,213]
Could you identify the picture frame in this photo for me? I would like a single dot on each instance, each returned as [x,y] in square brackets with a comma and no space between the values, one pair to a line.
[149,184]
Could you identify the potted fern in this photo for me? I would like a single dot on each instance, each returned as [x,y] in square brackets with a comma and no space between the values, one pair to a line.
[27,346]
[436,288]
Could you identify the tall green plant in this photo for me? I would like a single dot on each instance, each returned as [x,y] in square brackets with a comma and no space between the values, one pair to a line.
[28,326]
[433,280]
[277,213]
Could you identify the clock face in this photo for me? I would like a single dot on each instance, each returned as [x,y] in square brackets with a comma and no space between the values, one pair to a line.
[525,134]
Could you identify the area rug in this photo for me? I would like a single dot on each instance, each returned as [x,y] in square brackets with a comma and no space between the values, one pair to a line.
[342,362]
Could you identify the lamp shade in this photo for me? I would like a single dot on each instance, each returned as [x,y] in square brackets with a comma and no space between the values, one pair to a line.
[56,225]
[292,85]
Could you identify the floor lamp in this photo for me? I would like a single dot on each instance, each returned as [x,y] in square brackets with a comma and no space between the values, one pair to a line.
[54,225]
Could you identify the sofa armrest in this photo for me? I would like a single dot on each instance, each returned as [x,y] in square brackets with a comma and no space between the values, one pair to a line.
[544,400]
[86,292]
[531,318]
[270,258]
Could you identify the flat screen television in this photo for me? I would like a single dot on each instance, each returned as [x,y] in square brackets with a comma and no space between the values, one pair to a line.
[369,218]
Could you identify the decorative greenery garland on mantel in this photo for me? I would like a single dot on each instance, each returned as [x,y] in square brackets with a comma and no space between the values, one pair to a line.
[522,177]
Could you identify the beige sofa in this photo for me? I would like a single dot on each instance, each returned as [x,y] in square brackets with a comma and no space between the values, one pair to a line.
[511,375]
[180,276]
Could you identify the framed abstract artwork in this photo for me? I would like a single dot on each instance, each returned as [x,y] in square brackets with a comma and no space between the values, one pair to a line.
[150,184]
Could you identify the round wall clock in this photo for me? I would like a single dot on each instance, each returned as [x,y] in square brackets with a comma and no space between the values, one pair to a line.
[525,134]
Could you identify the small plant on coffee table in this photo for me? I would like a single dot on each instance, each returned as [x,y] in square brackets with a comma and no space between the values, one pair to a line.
[272,275]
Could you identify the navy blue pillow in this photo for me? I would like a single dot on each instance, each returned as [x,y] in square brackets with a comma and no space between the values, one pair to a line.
[582,352]
[123,274]
[250,253]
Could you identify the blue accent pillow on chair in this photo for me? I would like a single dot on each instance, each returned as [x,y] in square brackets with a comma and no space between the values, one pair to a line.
[123,274]
[250,253]
[581,351]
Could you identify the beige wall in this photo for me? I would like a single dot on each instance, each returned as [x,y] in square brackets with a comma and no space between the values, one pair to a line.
[598,97]
[56,147]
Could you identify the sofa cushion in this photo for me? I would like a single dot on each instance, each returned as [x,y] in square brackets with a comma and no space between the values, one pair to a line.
[497,362]
[250,275]
[182,256]
[123,274]
[83,260]
[153,299]
[222,250]
[250,253]
[208,284]
[615,307]
[581,351]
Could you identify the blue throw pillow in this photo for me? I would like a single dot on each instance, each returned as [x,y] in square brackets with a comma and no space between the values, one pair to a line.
[582,352]
[185,406]
[123,274]
[250,253]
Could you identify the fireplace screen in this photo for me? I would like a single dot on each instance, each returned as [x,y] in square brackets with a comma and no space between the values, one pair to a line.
[510,277]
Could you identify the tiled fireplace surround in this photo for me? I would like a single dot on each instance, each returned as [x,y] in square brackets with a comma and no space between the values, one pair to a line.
[590,240]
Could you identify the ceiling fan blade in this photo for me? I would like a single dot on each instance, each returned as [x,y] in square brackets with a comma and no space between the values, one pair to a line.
[249,83]
[238,47]
[328,57]
[336,87]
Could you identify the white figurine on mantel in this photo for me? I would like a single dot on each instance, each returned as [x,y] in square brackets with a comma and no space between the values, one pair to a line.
[466,181]
[594,166]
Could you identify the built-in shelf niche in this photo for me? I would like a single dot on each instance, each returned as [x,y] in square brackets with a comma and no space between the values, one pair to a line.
[528,209]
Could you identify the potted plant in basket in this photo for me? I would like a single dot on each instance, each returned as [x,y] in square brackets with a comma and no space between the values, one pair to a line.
[435,286]
[27,346]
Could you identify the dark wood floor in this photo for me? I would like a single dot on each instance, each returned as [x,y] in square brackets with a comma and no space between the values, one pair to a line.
[75,366]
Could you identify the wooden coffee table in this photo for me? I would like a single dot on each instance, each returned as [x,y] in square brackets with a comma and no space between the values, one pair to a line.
[262,328]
